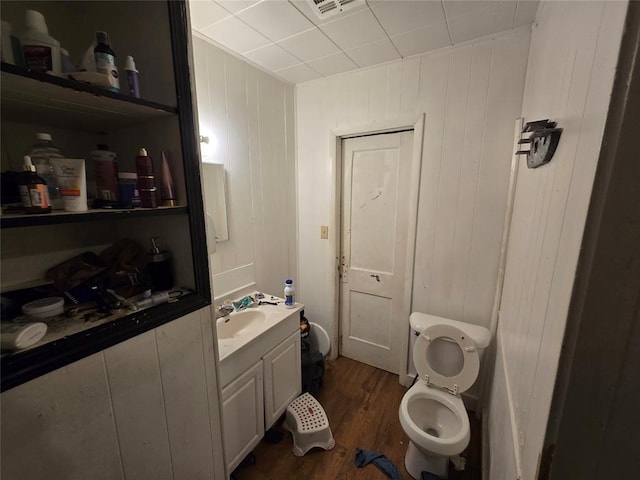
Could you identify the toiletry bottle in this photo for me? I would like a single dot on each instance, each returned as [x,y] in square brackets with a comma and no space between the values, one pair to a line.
[146,180]
[167,192]
[106,60]
[33,190]
[41,153]
[289,294]
[132,77]
[159,267]
[105,167]
[41,52]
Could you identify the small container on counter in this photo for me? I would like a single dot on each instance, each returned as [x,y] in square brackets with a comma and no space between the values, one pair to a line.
[19,335]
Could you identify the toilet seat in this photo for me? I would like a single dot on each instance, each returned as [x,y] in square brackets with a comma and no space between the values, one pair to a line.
[466,377]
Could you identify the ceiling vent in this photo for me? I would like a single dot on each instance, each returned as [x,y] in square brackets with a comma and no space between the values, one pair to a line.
[330,8]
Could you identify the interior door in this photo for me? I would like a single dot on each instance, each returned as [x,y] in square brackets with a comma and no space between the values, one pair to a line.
[374,229]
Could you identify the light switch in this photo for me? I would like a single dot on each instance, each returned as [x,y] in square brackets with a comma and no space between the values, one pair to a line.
[324,232]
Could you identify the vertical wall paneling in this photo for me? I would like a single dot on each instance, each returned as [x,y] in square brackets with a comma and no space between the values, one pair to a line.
[569,79]
[210,355]
[246,114]
[182,373]
[145,408]
[61,426]
[470,96]
[138,407]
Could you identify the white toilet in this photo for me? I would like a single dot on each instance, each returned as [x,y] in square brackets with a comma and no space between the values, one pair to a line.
[446,355]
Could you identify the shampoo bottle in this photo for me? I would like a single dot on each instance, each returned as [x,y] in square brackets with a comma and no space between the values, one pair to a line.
[106,60]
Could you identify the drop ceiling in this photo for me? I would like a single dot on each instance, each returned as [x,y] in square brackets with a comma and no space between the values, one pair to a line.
[289,39]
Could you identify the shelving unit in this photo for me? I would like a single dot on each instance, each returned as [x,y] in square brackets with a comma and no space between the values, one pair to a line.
[87,114]
[15,220]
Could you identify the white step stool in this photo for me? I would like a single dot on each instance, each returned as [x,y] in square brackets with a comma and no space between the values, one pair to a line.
[308,424]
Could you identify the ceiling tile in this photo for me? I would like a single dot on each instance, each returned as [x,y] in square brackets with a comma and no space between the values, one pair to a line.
[298,73]
[205,12]
[272,57]
[526,12]
[405,15]
[422,40]
[236,35]
[354,30]
[275,19]
[309,45]
[481,22]
[455,8]
[304,7]
[332,64]
[373,53]
[234,6]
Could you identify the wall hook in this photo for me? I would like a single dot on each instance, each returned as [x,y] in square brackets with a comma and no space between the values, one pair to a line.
[543,140]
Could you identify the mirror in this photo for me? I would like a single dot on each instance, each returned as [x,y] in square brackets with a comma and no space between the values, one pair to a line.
[215,198]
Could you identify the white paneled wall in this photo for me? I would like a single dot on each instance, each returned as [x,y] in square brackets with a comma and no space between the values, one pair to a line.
[569,79]
[126,412]
[471,95]
[248,116]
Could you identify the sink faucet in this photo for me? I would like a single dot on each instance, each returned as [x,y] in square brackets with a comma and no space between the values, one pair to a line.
[223,311]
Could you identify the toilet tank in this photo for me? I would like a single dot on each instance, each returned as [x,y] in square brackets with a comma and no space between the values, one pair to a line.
[444,356]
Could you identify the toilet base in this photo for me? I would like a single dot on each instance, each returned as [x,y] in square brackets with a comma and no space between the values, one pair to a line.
[417,462]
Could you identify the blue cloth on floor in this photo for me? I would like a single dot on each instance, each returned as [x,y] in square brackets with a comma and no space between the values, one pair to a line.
[429,476]
[386,466]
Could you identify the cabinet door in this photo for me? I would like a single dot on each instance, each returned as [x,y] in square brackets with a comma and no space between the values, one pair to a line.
[282,378]
[243,415]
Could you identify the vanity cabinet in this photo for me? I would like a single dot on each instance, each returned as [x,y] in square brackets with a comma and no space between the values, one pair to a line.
[258,382]
[243,415]
[79,116]
[282,378]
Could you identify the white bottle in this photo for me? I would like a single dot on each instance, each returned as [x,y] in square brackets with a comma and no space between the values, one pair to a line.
[289,294]
[41,52]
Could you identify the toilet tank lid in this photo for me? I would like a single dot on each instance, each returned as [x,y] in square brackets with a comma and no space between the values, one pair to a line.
[480,335]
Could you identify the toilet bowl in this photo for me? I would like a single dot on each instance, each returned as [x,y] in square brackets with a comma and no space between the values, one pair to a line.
[437,425]
[446,355]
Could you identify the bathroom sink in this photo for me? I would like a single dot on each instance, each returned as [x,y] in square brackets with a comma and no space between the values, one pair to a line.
[239,324]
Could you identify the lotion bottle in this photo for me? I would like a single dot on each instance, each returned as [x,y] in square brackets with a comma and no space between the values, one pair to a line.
[41,51]
[132,77]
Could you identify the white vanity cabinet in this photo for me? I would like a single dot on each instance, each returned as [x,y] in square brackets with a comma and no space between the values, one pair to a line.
[243,415]
[282,378]
[259,378]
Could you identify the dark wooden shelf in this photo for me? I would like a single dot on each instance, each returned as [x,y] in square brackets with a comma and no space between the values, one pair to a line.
[21,366]
[63,102]
[11,220]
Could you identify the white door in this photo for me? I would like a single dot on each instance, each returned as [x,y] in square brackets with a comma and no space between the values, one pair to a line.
[376,179]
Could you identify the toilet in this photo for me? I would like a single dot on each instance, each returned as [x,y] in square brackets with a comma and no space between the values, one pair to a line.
[446,355]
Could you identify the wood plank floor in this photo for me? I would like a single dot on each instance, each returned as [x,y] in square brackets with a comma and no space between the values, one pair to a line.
[361,403]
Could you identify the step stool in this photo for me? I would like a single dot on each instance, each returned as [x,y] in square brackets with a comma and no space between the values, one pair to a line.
[308,424]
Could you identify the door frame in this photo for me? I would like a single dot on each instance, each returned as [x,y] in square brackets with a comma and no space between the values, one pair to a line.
[401,123]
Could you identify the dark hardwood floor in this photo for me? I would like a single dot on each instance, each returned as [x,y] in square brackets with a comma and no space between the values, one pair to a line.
[361,403]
